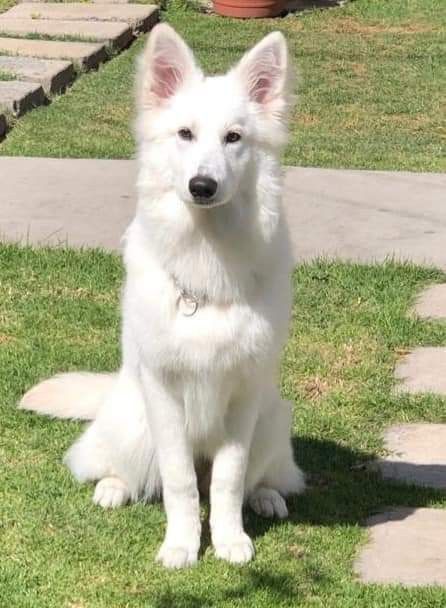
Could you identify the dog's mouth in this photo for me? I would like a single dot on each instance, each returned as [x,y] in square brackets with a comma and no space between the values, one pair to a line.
[206,203]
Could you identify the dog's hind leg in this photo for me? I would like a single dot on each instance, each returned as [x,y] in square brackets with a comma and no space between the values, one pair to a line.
[117,450]
[272,473]
[267,502]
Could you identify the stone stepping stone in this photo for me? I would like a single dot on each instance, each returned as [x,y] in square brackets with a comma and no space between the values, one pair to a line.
[109,1]
[431,303]
[94,1]
[140,17]
[84,55]
[117,35]
[422,371]
[407,547]
[417,455]
[18,97]
[53,75]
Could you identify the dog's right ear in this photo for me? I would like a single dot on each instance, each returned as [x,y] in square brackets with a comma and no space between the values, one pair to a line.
[166,66]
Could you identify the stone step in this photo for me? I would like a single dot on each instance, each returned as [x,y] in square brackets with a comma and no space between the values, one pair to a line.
[117,35]
[140,17]
[93,1]
[53,75]
[416,455]
[110,1]
[83,54]
[407,546]
[431,303]
[18,97]
[422,371]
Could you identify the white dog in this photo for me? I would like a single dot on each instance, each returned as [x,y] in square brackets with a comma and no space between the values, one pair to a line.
[206,308]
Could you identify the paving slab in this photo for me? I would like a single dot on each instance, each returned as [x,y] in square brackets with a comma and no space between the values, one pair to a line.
[110,1]
[53,201]
[86,55]
[417,455]
[350,215]
[367,215]
[118,35]
[94,1]
[140,17]
[407,547]
[431,303]
[53,75]
[422,371]
[18,97]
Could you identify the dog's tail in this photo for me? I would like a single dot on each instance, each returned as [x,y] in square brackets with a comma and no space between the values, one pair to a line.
[76,395]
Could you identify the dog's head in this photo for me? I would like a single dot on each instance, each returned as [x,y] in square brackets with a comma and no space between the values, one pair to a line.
[200,134]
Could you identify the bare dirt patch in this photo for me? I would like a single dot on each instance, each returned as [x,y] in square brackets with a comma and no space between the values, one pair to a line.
[337,370]
[306,119]
[407,121]
[5,339]
[350,25]
[315,388]
[358,69]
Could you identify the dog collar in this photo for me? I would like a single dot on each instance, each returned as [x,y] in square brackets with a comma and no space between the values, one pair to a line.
[188,302]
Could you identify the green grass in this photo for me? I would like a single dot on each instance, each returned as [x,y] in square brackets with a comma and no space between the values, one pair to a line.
[6,76]
[5,4]
[59,311]
[372,77]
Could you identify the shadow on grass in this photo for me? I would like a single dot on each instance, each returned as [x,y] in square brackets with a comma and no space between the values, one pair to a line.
[283,588]
[342,490]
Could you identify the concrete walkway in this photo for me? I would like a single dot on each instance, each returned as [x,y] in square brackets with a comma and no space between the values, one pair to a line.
[360,215]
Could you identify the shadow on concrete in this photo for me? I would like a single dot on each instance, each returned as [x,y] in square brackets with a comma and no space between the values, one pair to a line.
[297,6]
[345,488]
[426,475]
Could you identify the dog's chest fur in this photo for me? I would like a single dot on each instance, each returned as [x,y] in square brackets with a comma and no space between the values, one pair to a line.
[242,298]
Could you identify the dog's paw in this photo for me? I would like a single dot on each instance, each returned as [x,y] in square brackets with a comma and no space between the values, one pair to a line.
[267,502]
[177,556]
[110,493]
[236,549]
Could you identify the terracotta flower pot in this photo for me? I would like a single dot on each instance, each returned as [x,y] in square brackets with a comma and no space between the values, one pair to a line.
[248,9]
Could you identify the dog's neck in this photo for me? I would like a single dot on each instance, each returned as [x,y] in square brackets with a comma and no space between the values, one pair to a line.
[217,254]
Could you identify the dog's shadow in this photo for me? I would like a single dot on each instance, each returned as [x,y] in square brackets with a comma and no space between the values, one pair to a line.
[342,491]
[345,489]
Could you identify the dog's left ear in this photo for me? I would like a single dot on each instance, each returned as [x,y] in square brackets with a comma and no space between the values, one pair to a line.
[265,71]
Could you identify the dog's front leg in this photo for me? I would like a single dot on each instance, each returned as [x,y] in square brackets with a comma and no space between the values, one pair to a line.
[227,485]
[179,481]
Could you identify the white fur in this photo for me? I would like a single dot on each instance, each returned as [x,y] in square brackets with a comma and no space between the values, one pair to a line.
[83,394]
[202,386]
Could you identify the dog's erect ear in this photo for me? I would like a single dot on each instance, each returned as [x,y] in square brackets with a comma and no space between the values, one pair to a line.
[167,65]
[265,70]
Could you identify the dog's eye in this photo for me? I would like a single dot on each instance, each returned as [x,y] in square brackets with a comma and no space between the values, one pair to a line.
[185,134]
[232,136]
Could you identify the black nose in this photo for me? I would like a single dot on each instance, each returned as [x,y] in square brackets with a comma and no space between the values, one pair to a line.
[201,186]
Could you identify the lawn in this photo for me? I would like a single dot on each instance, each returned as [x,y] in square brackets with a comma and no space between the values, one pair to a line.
[5,4]
[59,311]
[372,77]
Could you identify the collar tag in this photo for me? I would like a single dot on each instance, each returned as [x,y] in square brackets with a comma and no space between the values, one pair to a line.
[187,304]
